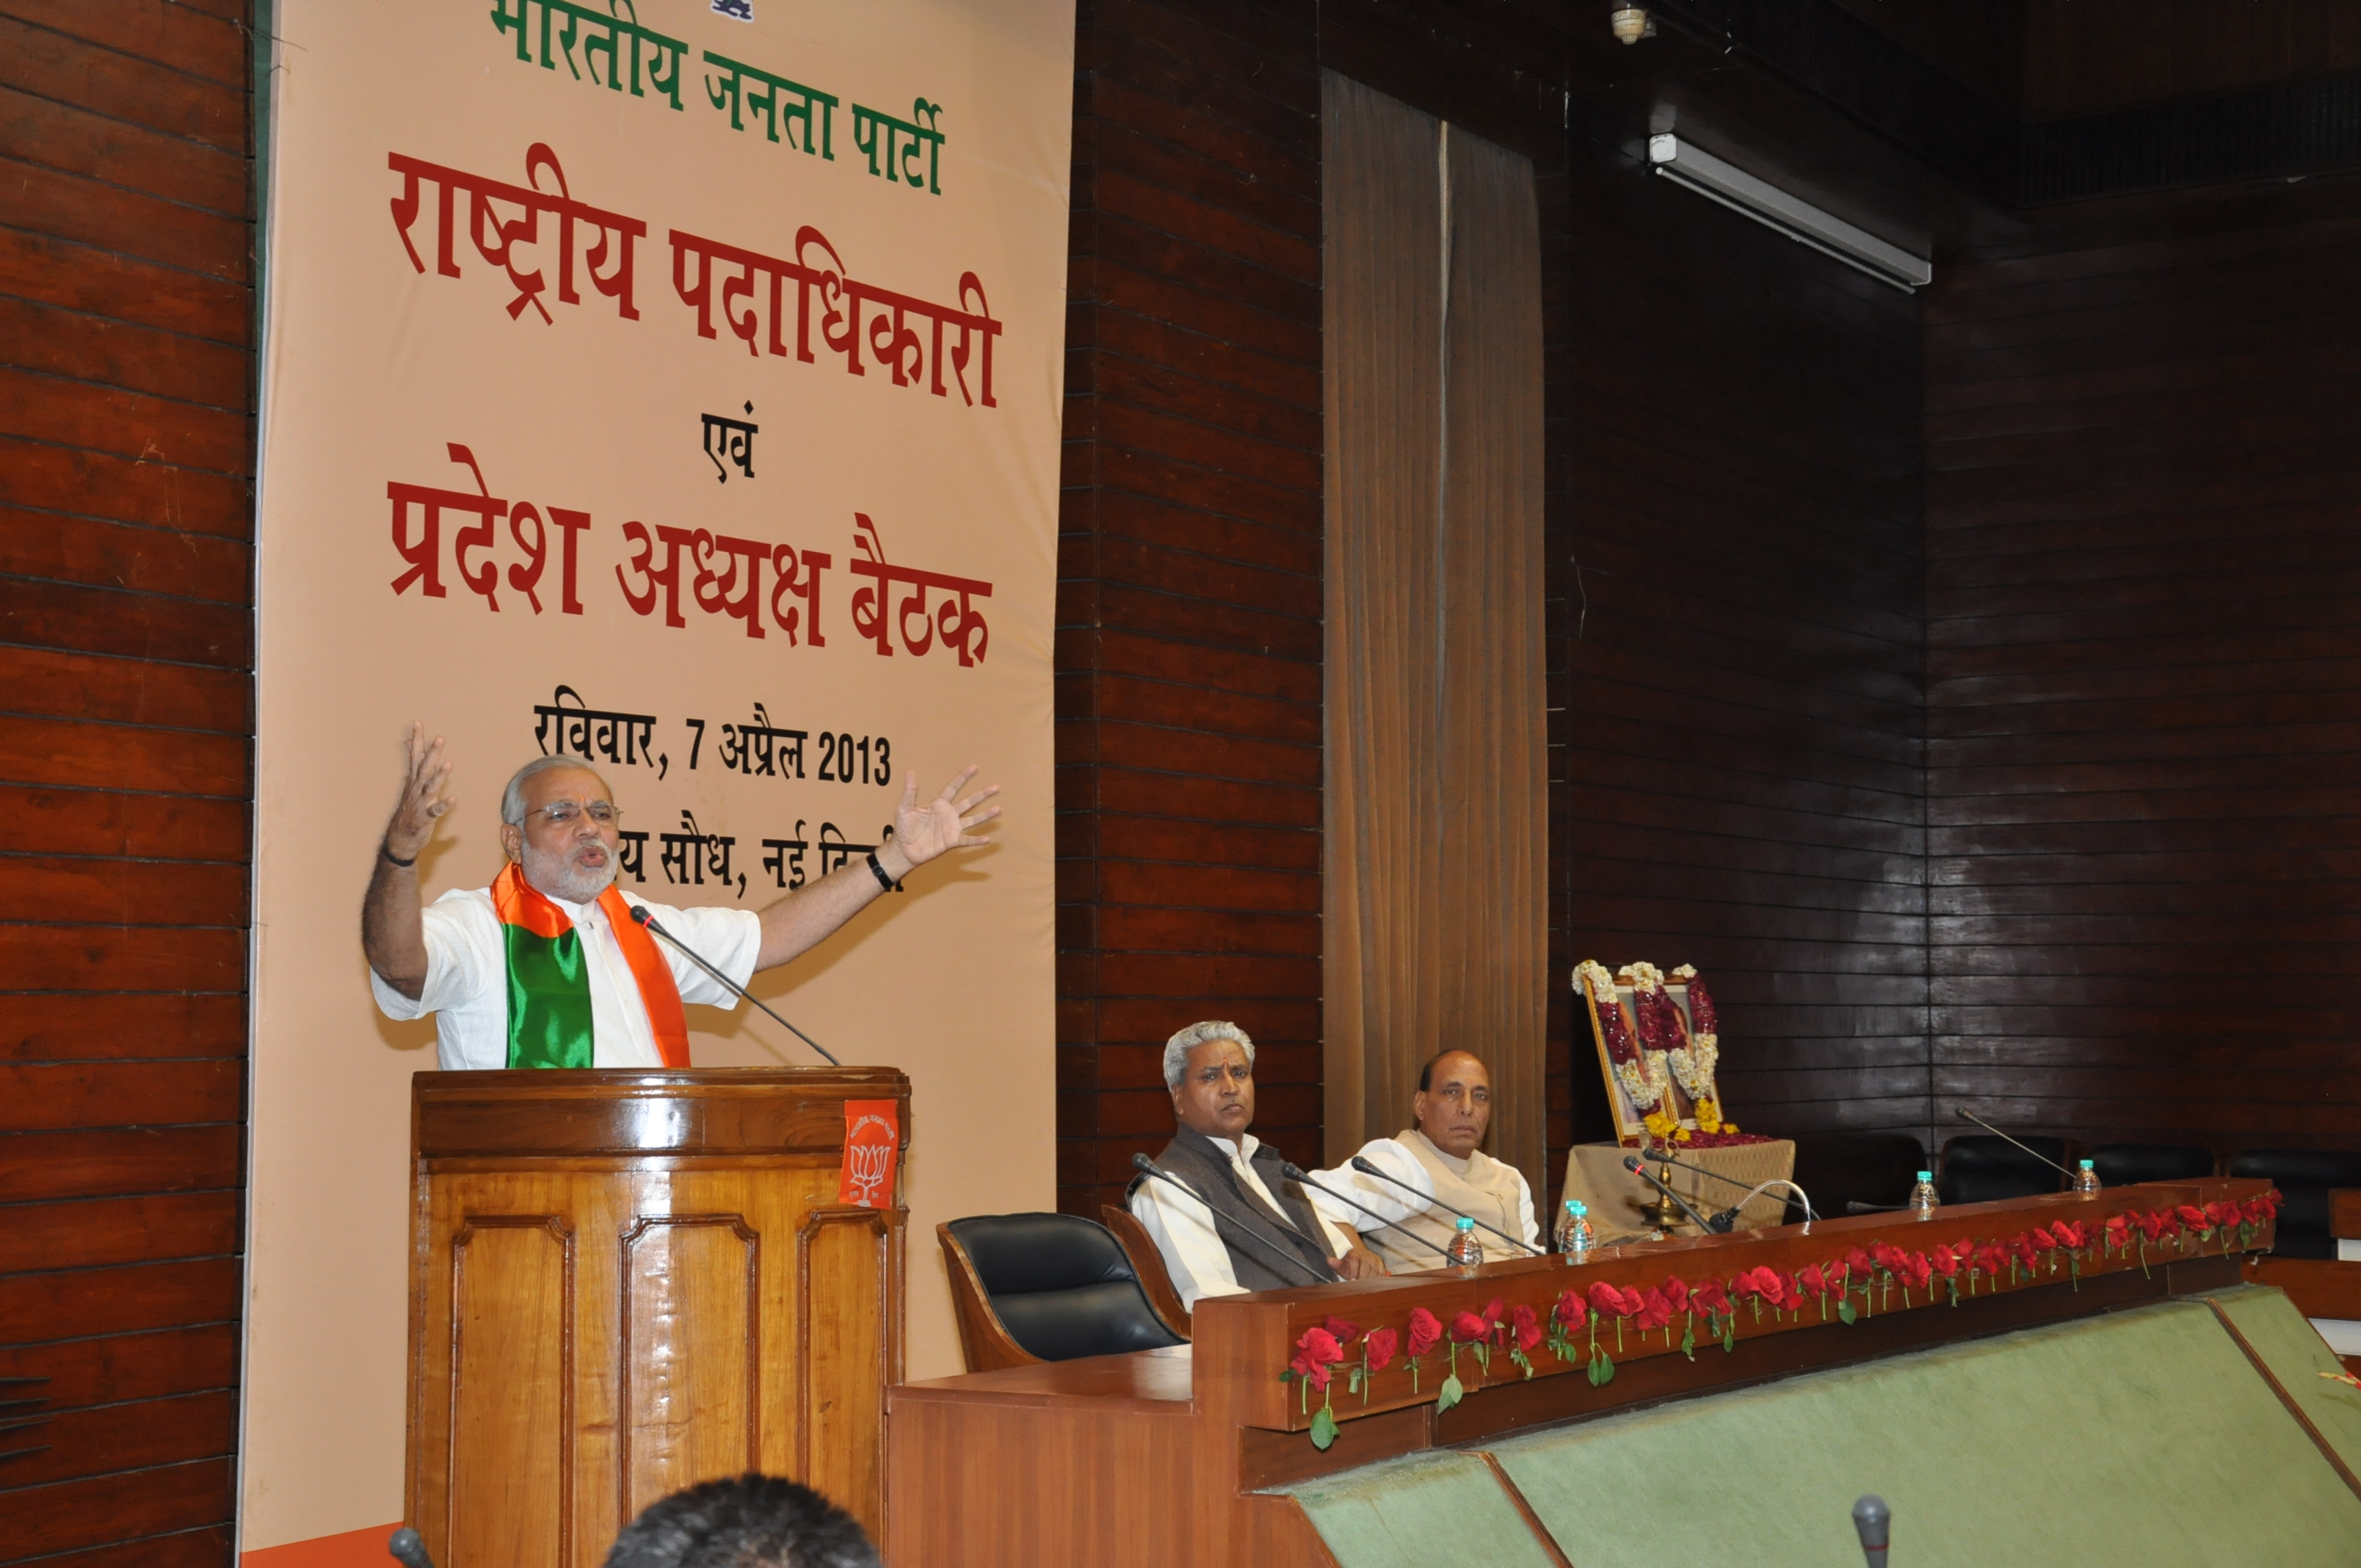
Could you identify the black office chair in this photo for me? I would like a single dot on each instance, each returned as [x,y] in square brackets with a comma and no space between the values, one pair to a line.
[1044,1288]
[2303,1178]
[1874,1170]
[1980,1169]
[2121,1165]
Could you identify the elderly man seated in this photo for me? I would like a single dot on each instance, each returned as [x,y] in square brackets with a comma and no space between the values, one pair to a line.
[1439,1157]
[1240,1226]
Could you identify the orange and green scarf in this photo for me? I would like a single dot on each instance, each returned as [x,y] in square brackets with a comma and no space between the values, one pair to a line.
[549,977]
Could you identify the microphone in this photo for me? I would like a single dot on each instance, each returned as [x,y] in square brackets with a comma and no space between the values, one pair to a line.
[1810,1214]
[408,1550]
[640,916]
[1147,1166]
[1871,1520]
[1292,1174]
[1362,1165]
[1961,1111]
[1719,1226]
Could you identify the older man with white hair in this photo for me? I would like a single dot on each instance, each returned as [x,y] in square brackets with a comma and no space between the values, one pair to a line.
[546,967]
[1240,1225]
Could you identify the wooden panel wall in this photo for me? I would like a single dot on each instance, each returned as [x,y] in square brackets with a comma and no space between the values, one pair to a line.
[1738,687]
[1189,643]
[2087,57]
[2145,670]
[126,509]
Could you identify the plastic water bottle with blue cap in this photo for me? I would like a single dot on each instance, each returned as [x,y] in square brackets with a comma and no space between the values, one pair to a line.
[1923,1200]
[1575,1238]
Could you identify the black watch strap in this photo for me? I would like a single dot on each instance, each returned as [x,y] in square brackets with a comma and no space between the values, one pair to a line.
[878,871]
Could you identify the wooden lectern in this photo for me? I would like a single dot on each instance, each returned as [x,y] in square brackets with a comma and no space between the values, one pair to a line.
[623,1282]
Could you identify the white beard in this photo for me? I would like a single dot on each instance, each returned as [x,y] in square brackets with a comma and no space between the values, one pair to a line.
[561,878]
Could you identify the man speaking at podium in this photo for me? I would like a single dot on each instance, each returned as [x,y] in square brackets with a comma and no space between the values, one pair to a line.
[546,968]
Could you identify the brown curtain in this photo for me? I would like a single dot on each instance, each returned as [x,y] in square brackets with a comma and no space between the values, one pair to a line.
[1436,829]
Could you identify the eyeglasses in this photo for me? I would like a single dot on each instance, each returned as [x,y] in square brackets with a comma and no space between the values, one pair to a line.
[564,812]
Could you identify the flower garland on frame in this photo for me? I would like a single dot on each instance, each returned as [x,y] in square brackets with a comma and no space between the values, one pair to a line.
[1693,1064]
[1660,1030]
[1645,1082]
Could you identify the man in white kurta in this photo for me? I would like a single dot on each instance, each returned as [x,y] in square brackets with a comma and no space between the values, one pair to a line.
[559,829]
[1439,1157]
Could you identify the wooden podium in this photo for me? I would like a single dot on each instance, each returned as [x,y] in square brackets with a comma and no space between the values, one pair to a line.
[623,1282]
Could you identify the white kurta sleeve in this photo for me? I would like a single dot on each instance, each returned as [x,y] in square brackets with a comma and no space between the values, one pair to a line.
[1525,1209]
[729,939]
[1390,1202]
[465,961]
[1183,1228]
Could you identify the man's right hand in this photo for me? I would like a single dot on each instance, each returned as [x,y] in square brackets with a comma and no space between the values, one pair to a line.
[423,801]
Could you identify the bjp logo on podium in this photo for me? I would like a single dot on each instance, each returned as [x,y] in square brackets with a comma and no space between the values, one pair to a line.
[873,1132]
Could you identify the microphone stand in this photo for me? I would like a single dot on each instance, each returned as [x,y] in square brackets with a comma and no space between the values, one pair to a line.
[1732,1213]
[640,916]
[1292,1174]
[1147,1166]
[1366,1169]
[1719,1226]
[1961,1111]
[405,1548]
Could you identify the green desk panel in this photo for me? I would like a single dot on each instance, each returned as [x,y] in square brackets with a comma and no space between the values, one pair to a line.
[2297,1355]
[1428,1509]
[2141,1438]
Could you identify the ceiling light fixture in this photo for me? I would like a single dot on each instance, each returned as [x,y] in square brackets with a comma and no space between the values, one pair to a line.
[1632,23]
[1800,221]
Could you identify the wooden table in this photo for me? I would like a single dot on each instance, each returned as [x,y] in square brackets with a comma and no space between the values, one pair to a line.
[1158,1459]
[623,1282]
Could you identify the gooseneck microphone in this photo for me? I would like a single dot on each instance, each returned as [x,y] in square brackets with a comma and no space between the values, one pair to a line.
[1962,1112]
[406,1549]
[1873,1522]
[1147,1166]
[1361,1164]
[1289,1171]
[640,916]
[1809,1212]
[1719,1226]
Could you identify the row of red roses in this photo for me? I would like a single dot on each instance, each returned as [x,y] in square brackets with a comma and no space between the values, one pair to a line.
[1874,1272]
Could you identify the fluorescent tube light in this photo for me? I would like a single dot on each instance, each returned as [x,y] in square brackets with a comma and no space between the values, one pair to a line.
[1800,221]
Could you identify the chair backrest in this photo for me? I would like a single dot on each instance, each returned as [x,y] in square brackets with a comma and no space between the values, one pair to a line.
[1838,1168]
[1980,1169]
[1147,1263]
[1050,1287]
[2303,1178]
[2120,1165]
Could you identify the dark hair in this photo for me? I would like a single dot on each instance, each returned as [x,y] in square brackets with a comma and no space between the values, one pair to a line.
[752,1521]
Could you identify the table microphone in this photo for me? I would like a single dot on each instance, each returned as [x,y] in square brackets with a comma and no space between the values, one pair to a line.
[1362,1165]
[1719,1226]
[1871,1521]
[1962,1112]
[640,916]
[1147,1166]
[1733,1181]
[1289,1171]
[408,1550]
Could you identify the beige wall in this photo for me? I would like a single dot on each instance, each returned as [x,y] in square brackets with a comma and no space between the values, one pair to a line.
[371,368]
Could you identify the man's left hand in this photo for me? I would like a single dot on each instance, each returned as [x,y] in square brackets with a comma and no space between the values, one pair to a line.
[923,832]
[1358,1263]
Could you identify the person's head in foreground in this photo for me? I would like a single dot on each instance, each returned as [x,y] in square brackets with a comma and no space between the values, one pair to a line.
[1209,1068]
[1453,1104]
[751,1521]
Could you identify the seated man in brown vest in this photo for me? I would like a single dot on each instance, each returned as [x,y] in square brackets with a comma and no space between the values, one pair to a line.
[1439,1156]
[1241,1226]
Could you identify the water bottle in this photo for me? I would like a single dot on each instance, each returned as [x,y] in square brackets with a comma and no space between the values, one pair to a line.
[2086,1180]
[1923,1201]
[1575,1238]
[1466,1250]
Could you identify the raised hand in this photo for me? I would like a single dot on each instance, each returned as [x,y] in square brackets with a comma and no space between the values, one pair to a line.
[925,831]
[423,801]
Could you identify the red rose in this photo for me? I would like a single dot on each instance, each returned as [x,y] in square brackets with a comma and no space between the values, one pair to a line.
[1676,1294]
[2223,1213]
[1425,1330]
[1467,1328]
[2269,1202]
[1812,1281]
[1858,1264]
[1607,1300]
[2043,1239]
[1770,1287]
[1916,1270]
[1884,1254]
[1528,1326]
[2167,1222]
[1633,1301]
[2119,1231]
[2069,1234]
[2151,1223]
[2191,1215]
[1945,1262]
[1570,1310]
[1315,1353]
[1492,1310]
[1992,1257]
[1963,1249]
[1380,1347]
[1345,1333]
[1708,1296]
